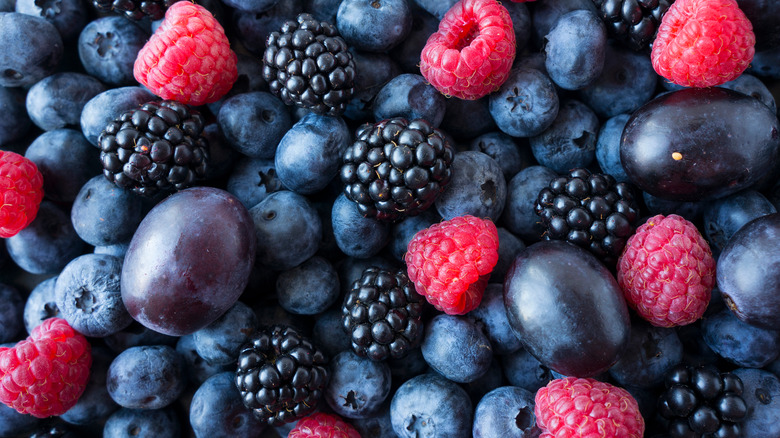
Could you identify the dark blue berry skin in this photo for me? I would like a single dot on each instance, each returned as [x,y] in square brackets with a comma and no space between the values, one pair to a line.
[570,142]
[490,316]
[68,16]
[11,313]
[738,342]
[147,377]
[143,423]
[766,63]
[7,5]
[13,423]
[526,104]
[608,147]
[15,122]
[107,106]
[288,230]
[328,333]
[373,70]
[251,180]
[407,54]
[253,123]
[254,6]
[403,232]
[437,8]
[695,350]
[521,23]
[41,304]
[506,412]
[104,214]
[351,269]
[32,49]
[477,188]
[221,155]
[250,78]
[430,405]
[404,368]
[522,191]
[752,86]
[89,296]
[108,48]
[220,342]
[492,379]
[357,236]
[523,370]
[137,335]
[456,348]
[546,15]
[94,405]
[309,288]
[503,149]
[323,10]
[468,118]
[196,369]
[688,210]
[252,29]
[573,62]
[117,250]
[47,244]
[358,386]
[410,96]
[57,100]
[651,352]
[377,426]
[374,26]
[761,389]
[308,157]
[509,246]
[217,410]
[724,216]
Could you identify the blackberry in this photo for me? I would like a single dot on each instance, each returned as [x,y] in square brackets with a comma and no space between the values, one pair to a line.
[633,22]
[157,147]
[308,64]
[702,402]
[281,375]
[396,168]
[382,312]
[136,9]
[590,211]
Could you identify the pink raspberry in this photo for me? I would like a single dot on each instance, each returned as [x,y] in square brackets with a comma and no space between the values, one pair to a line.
[322,425]
[587,408]
[21,193]
[667,271]
[450,262]
[471,53]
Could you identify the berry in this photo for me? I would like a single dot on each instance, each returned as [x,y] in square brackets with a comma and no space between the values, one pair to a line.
[21,192]
[146,377]
[45,374]
[450,262]
[572,407]
[471,53]
[703,43]
[136,9]
[667,271]
[633,22]
[188,59]
[322,425]
[358,386]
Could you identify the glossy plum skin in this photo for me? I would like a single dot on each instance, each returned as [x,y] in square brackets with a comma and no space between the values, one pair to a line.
[189,261]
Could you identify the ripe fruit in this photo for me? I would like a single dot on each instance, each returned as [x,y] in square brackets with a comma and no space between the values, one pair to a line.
[21,192]
[632,22]
[322,425]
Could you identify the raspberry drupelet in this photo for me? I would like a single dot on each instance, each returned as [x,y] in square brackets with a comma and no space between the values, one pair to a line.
[21,192]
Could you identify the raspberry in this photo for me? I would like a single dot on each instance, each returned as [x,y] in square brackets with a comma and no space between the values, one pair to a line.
[667,271]
[471,53]
[322,425]
[572,407]
[45,374]
[188,59]
[703,43]
[450,262]
[21,192]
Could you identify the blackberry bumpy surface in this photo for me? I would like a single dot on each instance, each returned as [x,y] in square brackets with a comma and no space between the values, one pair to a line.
[396,168]
[136,9]
[633,22]
[308,64]
[382,313]
[281,375]
[589,210]
[702,402]
[157,147]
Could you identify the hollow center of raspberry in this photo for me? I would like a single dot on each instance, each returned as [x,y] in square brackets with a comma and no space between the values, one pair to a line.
[85,300]
[466,36]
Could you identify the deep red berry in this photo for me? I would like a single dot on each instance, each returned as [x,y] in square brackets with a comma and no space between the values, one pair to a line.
[322,425]
[21,192]
[450,262]
[188,59]
[45,374]
[579,408]
[667,271]
[472,52]
[703,43]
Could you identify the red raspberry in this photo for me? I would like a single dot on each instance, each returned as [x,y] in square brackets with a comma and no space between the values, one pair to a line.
[45,374]
[450,262]
[188,59]
[667,271]
[322,425]
[21,192]
[703,43]
[573,408]
[471,53]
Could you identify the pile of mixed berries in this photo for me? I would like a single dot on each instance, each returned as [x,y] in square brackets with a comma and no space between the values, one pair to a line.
[390,218]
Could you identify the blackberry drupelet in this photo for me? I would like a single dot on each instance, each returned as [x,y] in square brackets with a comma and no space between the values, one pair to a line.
[281,375]
[590,211]
[702,402]
[157,147]
[633,22]
[382,313]
[308,64]
[136,9]
[396,168]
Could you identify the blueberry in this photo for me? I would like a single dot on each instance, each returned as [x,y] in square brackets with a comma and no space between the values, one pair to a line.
[378,426]
[766,63]
[651,352]
[477,188]
[356,235]
[491,317]
[761,389]
[104,214]
[526,104]
[404,368]
[437,8]
[687,209]
[147,377]
[574,62]
[250,78]
[15,122]
[724,216]
[456,348]
[608,147]
[107,106]
[523,370]
[252,29]
[329,334]
[41,304]
[752,86]
[68,16]
[403,232]
[570,142]
[57,100]
[504,150]
[108,48]
[143,423]
[253,123]
[32,49]
[137,335]
[221,155]
[547,13]
[358,386]
[738,342]
[196,368]
[522,191]
[323,10]
[254,6]
[492,379]
[373,71]
[506,412]
[407,53]
[410,96]
[13,423]
[94,405]
[468,118]
[309,288]
[117,250]
[374,25]
[509,246]
[252,180]
[220,342]
[217,410]
[11,313]
[430,405]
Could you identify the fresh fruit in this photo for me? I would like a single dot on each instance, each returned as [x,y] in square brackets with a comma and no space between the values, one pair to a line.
[21,192]
[146,377]
[217,409]
[507,411]
[358,386]
[574,63]
[323,425]
[430,405]
[633,22]
[136,9]
[456,348]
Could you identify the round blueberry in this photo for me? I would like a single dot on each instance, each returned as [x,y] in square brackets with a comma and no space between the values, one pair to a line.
[107,106]
[143,423]
[430,405]
[374,25]
[41,304]
[407,53]
[738,342]
[147,377]
[490,315]
[651,352]
[329,334]
[573,62]
[68,16]
[358,386]
[32,49]
[522,191]
[523,370]
[12,423]
[251,180]
[104,214]
[15,122]
[410,96]
[11,313]
[402,232]
[373,71]
[94,405]
[253,123]
[504,150]
[196,368]
[137,335]
[547,13]
[309,288]
[456,348]
[252,29]
[468,118]
[357,236]
[752,86]
[108,48]
[570,142]
[218,410]
[761,389]
[526,104]
[477,188]
[507,412]
[219,343]
[724,216]
[608,147]
[57,100]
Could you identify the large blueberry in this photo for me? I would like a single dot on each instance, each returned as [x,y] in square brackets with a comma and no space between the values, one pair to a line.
[430,405]
[374,25]
[147,377]
[357,236]
[570,142]
[57,100]
[218,410]
[738,342]
[251,180]
[94,405]
[608,147]
[725,216]
[410,96]
[41,304]
[104,214]
[456,348]
[253,123]
[252,29]
[477,188]
[491,317]
[11,313]
[522,191]
[506,412]
[574,62]
[547,13]
[309,288]
[220,342]
[12,423]
[526,104]
[143,423]
[108,48]
[358,386]
[107,106]
[32,49]
[523,370]
[651,352]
